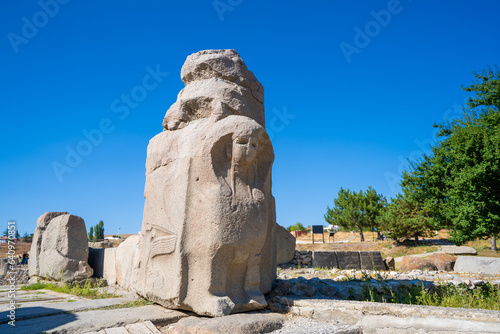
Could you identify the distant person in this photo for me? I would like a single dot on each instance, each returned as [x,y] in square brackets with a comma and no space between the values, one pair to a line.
[24,259]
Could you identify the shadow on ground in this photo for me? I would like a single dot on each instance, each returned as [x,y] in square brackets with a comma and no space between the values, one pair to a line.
[24,323]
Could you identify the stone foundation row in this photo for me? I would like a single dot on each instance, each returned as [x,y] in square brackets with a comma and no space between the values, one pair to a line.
[340,259]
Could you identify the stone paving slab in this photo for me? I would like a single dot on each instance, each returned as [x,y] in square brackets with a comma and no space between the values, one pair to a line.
[27,296]
[243,323]
[93,321]
[142,328]
[145,327]
[44,309]
[397,318]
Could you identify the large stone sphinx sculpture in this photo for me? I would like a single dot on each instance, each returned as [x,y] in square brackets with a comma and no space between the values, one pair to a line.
[206,243]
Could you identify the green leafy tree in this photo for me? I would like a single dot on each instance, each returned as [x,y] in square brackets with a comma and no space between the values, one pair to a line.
[27,237]
[405,218]
[374,206]
[458,183]
[296,227]
[91,233]
[99,230]
[356,210]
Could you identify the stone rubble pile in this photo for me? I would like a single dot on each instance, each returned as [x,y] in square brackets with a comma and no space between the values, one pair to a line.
[20,276]
[347,284]
[302,258]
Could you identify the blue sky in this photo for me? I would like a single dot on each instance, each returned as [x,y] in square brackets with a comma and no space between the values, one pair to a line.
[352,89]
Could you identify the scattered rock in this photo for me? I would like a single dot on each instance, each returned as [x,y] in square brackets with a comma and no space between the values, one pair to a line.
[443,261]
[390,263]
[412,263]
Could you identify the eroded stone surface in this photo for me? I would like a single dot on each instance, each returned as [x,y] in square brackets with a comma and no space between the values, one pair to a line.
[457,250]
[60,248]
[233,324]
[443,261]
[285,245]
[206,244]
[473,264]
[412,263]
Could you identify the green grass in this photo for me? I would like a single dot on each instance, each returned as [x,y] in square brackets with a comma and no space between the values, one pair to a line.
[135,303]
[88,290]
[321,268]
[486,297]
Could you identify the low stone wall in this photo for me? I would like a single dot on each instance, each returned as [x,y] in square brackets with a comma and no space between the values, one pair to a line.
[340,259]
[302,258]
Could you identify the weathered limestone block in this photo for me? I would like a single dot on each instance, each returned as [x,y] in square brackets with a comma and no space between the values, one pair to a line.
[324,259]
[285,245]
[36,244]
[60,249]
[371,260]
[109,265]
[458,250]
[126,261]
[348,260]
[473,264]
[207,239]
[234,324]
[120,263]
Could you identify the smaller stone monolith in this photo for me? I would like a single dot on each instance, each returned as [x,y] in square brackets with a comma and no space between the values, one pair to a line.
[60,248]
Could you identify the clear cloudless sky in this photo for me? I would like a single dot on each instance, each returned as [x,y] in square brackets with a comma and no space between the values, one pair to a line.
[336,121]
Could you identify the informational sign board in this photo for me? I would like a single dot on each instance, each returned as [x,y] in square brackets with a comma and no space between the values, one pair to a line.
[317,228]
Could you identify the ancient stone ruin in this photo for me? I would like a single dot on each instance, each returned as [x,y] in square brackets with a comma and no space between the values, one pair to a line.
[207,239]
[59,250]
